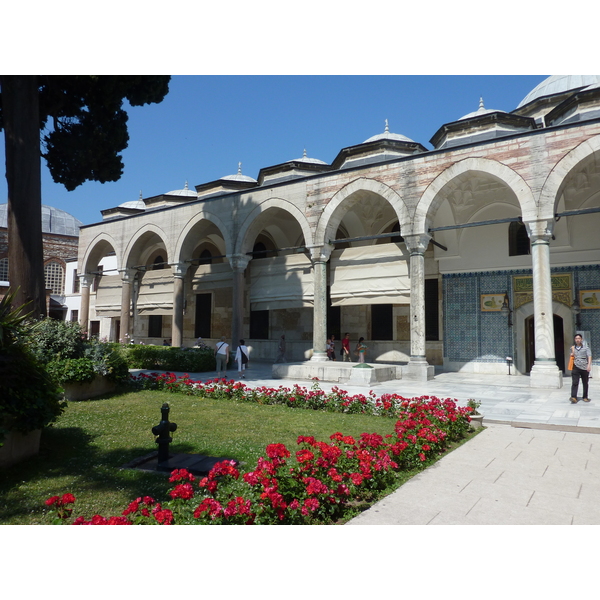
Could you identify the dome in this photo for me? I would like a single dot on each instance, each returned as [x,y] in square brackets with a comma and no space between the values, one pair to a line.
[306,159]
[386,135]
[54,220]
[482,110]
[557,84]
[184,192]
[139,203]
[238,176]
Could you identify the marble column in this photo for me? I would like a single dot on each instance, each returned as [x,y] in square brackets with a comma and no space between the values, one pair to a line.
[238,263]
[319,256]
[127,276]
[85,281]
[544,372]
[179,271]
[418,367]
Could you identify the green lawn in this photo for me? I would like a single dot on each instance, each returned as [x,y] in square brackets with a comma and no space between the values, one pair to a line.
[84,451]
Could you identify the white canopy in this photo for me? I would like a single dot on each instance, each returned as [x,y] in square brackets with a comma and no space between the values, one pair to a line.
[211,277]
[156,293]
[375,274]
[108,296]
[281,282]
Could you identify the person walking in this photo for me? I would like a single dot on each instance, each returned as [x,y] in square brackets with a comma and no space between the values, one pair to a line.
[241,356]
[361,350]
[345,352]
[222,356]
[331,347]
[582,365]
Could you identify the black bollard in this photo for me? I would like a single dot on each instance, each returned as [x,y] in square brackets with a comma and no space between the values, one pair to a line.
[162,430]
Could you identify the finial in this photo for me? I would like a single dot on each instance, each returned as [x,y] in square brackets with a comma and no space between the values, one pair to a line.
[304,155]
[185,187]
[141,195]
[481,106]
[387,129]
[239,168]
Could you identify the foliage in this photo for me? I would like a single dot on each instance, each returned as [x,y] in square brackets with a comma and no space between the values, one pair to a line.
[166,358]
[29,399]
[70,357]
[316,485]
[473,405]
[53,339]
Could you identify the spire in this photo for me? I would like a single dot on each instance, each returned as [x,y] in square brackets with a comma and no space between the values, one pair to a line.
[387,128]
[304,155]
[239,168]
[141,195]
[481,106]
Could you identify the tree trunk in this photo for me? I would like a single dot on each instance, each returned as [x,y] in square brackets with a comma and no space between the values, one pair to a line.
[20,110]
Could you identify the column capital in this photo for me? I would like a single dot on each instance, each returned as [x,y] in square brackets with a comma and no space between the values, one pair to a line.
[238,262]
[86,279]
[320,253]
[540,230]
[417,243]
[179,269]
[127,275]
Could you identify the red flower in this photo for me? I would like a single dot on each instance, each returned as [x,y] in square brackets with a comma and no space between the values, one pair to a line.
[185,491]
[304,456]
[179,474]
[52,500]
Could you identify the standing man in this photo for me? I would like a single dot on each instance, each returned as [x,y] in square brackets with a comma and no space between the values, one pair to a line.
[222,356]
[581,369]
[346,348]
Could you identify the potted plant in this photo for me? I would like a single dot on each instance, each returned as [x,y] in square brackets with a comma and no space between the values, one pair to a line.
[475,416]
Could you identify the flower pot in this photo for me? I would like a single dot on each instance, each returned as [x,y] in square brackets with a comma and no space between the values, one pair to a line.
[18,446]
[476,421]
[83,391]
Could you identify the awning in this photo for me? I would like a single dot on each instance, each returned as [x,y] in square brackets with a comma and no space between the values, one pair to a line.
[108,296]
[155,295]
[375,274]
[212,277]
[281,282]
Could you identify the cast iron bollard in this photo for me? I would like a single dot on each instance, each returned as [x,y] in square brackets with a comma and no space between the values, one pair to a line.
[162,430]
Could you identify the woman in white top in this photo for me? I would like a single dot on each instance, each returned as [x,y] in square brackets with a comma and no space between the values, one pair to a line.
[222,356]
[241,355]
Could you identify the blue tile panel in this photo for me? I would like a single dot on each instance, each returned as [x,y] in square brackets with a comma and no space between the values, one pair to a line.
[476,336]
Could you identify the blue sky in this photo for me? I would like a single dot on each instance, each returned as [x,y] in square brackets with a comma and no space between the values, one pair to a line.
[207,124]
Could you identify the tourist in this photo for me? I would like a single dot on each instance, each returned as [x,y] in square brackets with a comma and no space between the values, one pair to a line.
[241,356]
[345,351]
[222,356]
[582,365]
[361,350]
[331,347]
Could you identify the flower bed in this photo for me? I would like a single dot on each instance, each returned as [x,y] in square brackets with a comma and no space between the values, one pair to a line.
[318,483]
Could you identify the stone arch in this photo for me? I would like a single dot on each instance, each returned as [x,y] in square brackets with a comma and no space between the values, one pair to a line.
[333,214]
[96,250]
[185,244]
[433,196]
[549,195]
[134,252]
[253,224]
[527,310]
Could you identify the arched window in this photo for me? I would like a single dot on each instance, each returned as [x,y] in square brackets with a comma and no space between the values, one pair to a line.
[518,240]
[54,276]
[4,269]
[259,250]
[205,257]
[159,263]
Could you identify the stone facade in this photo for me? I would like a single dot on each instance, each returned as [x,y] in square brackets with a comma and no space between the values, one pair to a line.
[311,249]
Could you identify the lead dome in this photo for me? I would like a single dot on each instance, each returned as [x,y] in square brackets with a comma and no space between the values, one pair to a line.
[54,220]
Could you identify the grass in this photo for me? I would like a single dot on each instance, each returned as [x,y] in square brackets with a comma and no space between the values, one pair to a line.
[84,451]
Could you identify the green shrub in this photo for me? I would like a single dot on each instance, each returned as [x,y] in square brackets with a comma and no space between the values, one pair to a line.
[166,358]
[51,339]
[30,398]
